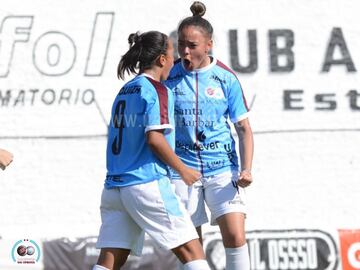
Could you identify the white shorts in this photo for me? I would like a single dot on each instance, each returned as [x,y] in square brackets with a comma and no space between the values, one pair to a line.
[220,193]
[153,208]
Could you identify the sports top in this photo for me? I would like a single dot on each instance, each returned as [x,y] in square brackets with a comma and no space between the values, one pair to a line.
[204,101]
[141,105]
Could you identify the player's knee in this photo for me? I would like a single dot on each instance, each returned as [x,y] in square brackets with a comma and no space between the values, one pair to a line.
[112,258]
[189,251]
[233,240]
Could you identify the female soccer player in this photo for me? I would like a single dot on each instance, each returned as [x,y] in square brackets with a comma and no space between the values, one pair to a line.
[207,94]
[137,195]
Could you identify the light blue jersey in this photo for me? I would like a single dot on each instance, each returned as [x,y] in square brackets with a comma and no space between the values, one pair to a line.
[204,100]
[141,105]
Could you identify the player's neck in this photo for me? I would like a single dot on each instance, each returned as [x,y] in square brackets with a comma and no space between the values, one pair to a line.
[154,73]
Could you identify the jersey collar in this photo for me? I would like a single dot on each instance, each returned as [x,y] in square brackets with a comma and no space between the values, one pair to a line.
[200,70]
[146,75]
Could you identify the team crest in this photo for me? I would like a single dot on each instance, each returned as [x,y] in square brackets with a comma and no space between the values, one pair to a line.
[216,93]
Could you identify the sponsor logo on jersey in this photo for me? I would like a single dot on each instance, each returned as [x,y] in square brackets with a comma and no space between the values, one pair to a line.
[182,122]
[197,146]
[130,90]
[201,136]
[189,111]
[217,79]
[178,92]
[215,164]
[216,93]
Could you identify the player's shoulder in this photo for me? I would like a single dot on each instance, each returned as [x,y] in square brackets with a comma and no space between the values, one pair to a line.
[176,72]
[224,69]
[130,87]
[139,86]
[177,62]
[152,89]
[136,81]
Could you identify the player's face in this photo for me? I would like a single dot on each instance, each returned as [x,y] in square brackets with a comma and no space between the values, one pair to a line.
[169,60]
[193,47]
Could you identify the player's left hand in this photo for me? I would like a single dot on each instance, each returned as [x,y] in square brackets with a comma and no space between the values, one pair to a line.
[245,179]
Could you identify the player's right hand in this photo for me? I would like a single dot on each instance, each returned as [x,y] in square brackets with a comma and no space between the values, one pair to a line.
[190,176]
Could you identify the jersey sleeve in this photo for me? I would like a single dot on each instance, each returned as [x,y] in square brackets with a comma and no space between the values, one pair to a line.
[238,109]
[157,110]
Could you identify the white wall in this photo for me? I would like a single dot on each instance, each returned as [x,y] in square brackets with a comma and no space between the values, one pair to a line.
[306,164]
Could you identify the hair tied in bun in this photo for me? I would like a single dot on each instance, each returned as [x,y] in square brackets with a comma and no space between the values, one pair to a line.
[198,9]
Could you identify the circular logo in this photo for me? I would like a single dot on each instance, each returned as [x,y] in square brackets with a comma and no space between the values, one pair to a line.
[30,250]
[21,250]
[354,255]
[26,252]
[216,93]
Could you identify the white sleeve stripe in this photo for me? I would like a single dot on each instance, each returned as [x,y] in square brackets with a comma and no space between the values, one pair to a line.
[168,128]
[239,118]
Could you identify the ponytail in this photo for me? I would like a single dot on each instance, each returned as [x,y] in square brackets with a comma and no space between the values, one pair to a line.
[143,52]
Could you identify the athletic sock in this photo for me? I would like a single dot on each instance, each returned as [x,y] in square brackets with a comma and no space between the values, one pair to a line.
[237,258]
[99,267]
[197,265]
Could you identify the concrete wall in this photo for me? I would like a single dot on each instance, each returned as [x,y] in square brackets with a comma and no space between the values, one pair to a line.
[297,61]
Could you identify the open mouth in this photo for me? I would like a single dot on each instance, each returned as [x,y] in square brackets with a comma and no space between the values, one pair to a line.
[186,63]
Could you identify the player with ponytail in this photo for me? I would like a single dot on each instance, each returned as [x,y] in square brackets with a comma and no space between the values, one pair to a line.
[137,196]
